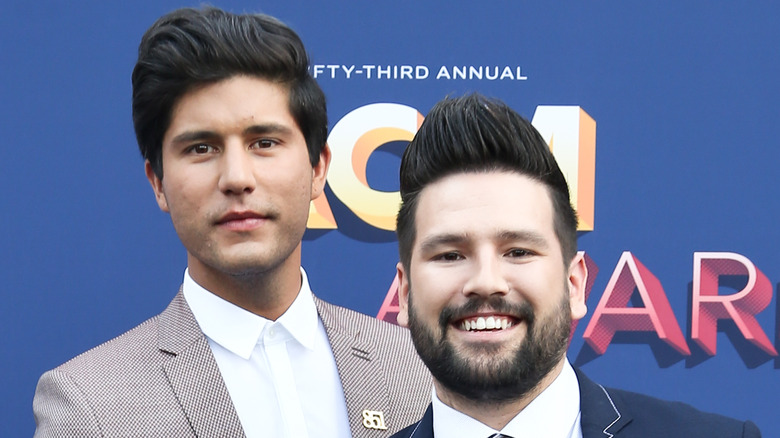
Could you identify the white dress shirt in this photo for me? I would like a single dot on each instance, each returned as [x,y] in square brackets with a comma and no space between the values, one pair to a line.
[281,375]
[555,413]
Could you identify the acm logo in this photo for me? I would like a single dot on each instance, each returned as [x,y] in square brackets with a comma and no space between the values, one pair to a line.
[569,131]
[571,134]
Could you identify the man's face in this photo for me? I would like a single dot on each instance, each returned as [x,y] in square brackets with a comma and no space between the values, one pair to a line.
[237,180]
[487,295]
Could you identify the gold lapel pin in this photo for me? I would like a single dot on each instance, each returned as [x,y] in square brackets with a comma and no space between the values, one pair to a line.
[374,420]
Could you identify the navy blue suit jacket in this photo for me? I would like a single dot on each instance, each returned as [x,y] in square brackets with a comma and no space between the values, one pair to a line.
[615,413]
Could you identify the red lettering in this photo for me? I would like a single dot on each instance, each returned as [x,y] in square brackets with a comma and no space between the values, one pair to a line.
[613,315]
[709,307]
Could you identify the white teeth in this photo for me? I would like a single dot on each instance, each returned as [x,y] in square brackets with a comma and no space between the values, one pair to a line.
[483,323]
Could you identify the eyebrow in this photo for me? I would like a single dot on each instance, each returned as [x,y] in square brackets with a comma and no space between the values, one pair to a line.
[530,237]
[267,128]
[438,240]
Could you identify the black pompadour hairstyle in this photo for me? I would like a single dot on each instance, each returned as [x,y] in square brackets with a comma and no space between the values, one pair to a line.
[474,133]
[190,48]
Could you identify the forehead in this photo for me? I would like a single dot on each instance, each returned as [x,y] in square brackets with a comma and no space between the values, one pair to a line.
[485,203]
[232,103]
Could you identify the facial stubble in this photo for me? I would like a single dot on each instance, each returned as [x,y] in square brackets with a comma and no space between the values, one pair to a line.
[483,372]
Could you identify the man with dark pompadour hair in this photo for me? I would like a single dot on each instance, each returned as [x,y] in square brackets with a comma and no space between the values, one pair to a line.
[489,282]
[233,130]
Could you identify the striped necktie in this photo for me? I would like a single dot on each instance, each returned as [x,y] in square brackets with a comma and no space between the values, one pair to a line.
[499,435]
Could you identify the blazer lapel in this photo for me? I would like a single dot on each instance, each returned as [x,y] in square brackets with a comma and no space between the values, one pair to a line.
[424,427]
[602,415]
[194,374]
[361,374]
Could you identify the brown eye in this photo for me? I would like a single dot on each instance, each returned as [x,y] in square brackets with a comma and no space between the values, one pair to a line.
[449,256]
[200,149]
[263,143]
[518,253]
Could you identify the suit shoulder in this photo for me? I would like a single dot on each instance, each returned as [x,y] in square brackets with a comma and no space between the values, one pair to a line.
[368,326]
[136,344]
[674,418]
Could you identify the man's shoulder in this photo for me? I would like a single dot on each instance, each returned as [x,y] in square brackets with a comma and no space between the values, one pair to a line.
[124,384]
[143,344]
[648,409]
[367,326]
[139,344]
[657,417]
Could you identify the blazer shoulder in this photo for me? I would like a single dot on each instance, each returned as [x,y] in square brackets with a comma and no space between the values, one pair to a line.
[153,340]
[138,343]
[121,385]
[365,328]
[676,419]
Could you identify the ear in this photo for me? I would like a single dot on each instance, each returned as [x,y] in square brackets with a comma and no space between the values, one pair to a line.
[320,172]
[403,295]
[157,186]
[578,277]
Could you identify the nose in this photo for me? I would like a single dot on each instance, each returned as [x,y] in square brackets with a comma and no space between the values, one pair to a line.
[236,170]
[486,277]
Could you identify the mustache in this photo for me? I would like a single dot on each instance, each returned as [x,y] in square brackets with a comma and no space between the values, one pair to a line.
[521,311]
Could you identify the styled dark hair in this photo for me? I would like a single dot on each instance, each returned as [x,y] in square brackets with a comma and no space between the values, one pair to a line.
[190,48]
[476,134]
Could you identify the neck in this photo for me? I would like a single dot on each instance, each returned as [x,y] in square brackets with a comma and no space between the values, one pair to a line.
[268,294]
[495,414]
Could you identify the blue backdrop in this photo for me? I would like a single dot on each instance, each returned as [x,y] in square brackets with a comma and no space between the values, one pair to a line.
[685,98]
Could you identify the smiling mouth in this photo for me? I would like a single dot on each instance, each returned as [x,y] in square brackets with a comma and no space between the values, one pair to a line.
[486,323]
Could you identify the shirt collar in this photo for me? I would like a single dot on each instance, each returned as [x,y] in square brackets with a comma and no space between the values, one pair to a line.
[239,330]
[553,413]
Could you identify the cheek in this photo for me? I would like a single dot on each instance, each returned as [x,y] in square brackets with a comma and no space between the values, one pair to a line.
[184,200]
[288,180]
[432,292]
[542,288]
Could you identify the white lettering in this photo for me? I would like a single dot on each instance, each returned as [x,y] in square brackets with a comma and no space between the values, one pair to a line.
[475,72]
[507,73]
[443,73]
[381,72]
[418,72]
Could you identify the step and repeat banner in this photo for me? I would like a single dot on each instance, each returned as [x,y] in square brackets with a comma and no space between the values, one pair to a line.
[663,116]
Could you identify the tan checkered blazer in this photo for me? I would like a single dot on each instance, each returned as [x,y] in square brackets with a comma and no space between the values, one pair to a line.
[161,380]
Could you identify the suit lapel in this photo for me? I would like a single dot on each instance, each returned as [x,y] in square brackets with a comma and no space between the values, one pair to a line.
[423,428]
[603,416]
[361,374]
[194,374]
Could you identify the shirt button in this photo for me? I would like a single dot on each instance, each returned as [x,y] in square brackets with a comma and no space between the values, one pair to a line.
[272,332]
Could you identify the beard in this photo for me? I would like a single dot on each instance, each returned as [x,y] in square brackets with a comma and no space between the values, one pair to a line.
[482,371]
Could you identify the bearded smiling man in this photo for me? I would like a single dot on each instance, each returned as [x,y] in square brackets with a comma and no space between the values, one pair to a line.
[490,281]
